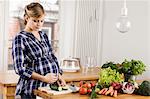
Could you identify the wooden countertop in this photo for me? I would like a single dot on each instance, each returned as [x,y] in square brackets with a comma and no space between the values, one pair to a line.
[91,75]
[8,78]
[78,96]
[78,76]
[11,79]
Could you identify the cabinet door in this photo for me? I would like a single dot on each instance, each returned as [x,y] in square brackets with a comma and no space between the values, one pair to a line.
[88,29]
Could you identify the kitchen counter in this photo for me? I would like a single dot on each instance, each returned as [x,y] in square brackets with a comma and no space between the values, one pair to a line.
[89,76]
[78,76]
[78,96]
[9,80]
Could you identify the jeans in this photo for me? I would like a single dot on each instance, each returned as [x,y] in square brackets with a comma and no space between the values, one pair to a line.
[24,96]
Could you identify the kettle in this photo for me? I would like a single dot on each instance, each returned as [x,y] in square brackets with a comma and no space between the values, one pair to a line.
[70,65]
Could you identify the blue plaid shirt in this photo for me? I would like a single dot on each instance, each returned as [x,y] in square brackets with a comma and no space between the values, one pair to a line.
[30,54]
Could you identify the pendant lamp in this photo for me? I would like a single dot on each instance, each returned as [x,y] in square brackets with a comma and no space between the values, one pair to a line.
[123,24]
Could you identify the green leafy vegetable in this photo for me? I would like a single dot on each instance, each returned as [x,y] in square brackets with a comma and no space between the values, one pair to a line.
[107,76]
[133,67]
[109,64]
[138,67]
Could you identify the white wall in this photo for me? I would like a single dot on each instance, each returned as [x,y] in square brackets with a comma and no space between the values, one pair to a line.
[133,44]
[1,39]
[1,34]
[4,35]
[116,46]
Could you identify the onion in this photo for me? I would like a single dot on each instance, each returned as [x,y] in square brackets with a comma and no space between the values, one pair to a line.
[128,87]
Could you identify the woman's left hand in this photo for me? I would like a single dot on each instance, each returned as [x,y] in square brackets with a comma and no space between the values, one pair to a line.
[61,81]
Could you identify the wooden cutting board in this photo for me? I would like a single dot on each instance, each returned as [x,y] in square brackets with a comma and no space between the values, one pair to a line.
[53,92]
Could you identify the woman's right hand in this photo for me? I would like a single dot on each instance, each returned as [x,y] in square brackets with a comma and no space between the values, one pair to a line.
[50,78]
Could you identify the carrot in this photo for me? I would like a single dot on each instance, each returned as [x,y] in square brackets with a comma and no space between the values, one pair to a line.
[106,89]
[115,93]
[109,91]
[101,91]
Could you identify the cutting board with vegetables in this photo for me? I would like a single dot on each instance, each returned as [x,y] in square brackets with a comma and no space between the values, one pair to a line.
[58,91]
[54,92]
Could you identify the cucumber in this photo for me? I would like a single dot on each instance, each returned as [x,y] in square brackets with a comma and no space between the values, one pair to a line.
[59,88]
[55,87]
[65,87]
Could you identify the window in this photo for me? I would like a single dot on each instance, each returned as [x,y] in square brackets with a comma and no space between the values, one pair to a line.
[15,23]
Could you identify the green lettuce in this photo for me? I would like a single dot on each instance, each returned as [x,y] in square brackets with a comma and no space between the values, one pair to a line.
[107,76]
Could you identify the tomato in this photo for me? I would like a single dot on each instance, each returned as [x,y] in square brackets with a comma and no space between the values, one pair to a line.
[83,91]
[89,91]
[84,86]
[93,84]
[81,83]
[88,85]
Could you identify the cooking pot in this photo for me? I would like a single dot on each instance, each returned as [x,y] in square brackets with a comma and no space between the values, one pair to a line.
[70,65]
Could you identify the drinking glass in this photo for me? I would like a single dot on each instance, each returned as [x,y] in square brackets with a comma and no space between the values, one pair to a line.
[85,65]
[92,63]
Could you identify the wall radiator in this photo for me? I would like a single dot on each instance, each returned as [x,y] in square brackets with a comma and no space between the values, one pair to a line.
[88,30]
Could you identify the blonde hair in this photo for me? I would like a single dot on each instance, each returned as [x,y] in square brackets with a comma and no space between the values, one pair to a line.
[33,10]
